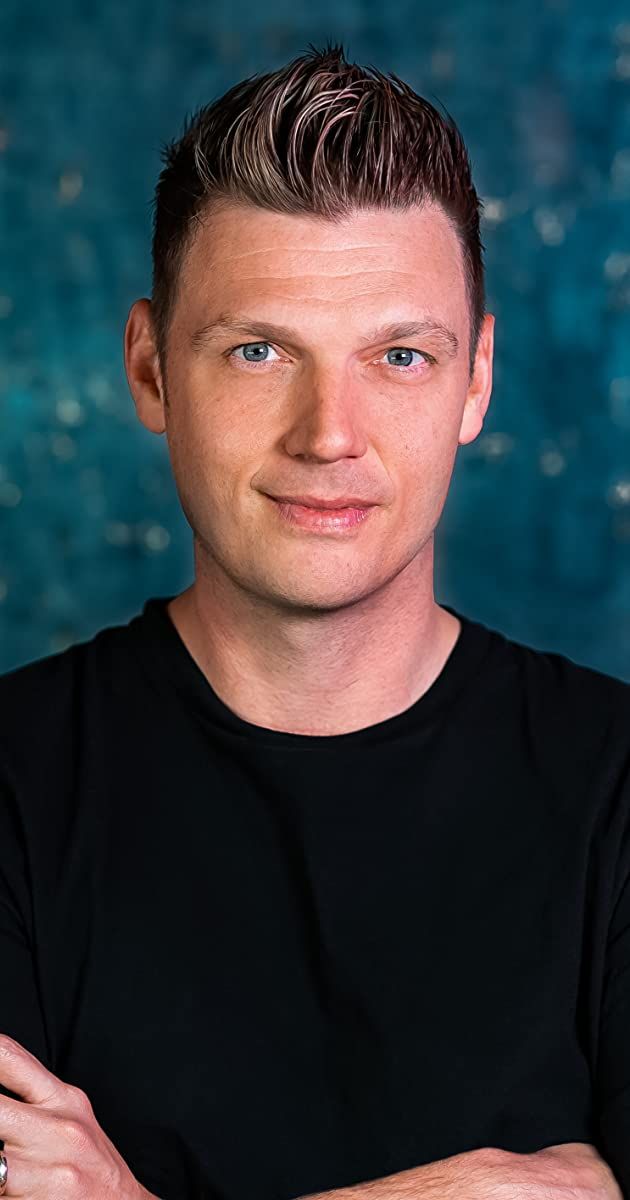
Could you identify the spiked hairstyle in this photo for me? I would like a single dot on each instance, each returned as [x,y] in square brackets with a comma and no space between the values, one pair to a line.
[321,137]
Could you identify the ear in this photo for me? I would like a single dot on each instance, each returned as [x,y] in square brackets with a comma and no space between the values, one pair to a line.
[480,388]
[142,367]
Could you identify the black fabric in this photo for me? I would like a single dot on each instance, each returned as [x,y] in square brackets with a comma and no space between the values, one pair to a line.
[282,964]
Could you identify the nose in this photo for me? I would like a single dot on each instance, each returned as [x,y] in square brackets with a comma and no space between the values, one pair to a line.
[325,421]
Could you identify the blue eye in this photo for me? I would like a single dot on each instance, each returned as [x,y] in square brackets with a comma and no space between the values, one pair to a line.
[405,350]
[256,346]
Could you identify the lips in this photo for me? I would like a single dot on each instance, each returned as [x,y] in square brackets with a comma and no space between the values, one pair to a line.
[333,521]
[316,502]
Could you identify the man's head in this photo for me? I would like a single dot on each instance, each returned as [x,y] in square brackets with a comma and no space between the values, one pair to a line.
[319,137]
[311,208]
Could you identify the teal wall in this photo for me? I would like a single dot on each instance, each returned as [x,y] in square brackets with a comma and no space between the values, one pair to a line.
[535,536]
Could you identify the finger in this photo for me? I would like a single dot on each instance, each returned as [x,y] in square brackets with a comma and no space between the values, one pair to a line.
[37,1179]
[22,1177]
[31,1128]
[25,1075]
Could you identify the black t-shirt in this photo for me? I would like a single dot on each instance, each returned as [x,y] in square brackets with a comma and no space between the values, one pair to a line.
[281,964]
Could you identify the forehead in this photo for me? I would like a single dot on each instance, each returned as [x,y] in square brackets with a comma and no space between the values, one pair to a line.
[244,248]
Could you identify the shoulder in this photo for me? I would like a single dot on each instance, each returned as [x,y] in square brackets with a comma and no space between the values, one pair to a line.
[43,702]
[555,678]
[572,712]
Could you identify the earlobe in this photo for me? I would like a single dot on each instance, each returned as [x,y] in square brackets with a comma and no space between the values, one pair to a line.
[472,421]
[480,389]
[142,367]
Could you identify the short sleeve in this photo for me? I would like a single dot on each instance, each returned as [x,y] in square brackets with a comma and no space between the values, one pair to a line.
[21,1015]
[612,1076]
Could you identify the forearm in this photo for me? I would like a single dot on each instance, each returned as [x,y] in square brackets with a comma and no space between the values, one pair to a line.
[574,1168]
[440,1180]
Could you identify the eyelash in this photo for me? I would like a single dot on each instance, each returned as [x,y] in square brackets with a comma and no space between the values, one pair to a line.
[406,370]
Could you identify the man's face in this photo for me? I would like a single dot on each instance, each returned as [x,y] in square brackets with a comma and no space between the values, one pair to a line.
[327,408]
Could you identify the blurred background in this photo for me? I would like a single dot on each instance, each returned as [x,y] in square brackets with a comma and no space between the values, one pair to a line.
[535,536]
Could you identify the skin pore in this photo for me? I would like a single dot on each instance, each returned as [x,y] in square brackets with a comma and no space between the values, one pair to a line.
[297,631]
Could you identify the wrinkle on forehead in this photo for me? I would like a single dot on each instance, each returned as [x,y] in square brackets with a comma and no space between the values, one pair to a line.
[415,264]
[313,249]
[292,233]
[383,255]
[337,275]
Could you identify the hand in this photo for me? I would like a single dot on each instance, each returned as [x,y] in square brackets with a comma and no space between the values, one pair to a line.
[577,1166]
[568,1171]
[53,1143]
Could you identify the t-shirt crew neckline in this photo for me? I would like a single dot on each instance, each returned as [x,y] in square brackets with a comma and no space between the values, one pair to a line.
[171,663]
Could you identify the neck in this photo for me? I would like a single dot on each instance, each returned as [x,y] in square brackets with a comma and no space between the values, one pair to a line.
[317,673]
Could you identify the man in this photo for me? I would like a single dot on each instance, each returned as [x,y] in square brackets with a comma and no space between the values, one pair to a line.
[308,881]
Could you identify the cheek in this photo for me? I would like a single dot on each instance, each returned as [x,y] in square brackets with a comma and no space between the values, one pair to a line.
[425,465]
[212,462]
[426,442]
[191,448]
[224,425]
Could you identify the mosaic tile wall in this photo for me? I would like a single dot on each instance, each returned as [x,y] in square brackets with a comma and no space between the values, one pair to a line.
[535,536]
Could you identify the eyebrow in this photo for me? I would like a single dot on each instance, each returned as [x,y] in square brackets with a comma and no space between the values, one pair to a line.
[226,322]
